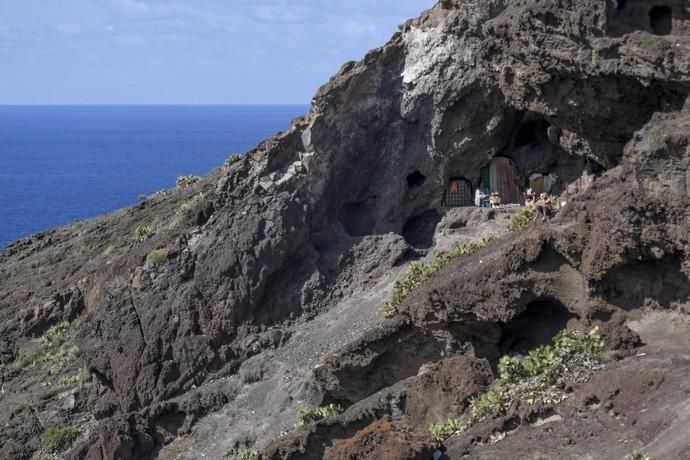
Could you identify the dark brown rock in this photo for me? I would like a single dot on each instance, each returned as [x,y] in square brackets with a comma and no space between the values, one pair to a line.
[382,440]
[443,390]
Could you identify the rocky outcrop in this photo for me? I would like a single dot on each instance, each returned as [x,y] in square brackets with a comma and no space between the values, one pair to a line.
[264,294]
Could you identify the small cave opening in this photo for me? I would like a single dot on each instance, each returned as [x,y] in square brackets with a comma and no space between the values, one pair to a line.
[419,230]
[621,5]
[415,179]
[530,132]
[358,218]
[537,325]
[661,20]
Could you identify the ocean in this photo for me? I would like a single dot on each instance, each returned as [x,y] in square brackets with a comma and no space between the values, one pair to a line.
[63,163]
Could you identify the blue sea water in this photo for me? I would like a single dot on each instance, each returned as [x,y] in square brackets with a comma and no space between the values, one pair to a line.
[63,163]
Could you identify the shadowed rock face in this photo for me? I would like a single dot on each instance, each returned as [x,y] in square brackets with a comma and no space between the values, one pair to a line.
[268,298]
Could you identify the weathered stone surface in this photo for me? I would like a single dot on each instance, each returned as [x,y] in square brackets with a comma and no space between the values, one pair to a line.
[443,390]
[278,261]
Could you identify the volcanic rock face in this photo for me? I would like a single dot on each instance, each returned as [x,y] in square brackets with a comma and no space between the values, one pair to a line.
[265,297]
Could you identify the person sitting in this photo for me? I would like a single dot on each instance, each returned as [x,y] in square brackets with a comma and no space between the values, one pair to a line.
[543,206]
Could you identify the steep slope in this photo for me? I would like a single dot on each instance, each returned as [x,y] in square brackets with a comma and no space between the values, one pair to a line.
[199,322]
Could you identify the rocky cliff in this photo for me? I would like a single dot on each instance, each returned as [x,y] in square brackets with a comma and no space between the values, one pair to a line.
[199,322]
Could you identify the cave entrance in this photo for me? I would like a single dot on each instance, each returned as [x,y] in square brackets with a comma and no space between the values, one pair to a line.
[359,218]
[419,230]
[415,179]
[458,193]
[531,132]
[661,20]
[537,325]
[500,178]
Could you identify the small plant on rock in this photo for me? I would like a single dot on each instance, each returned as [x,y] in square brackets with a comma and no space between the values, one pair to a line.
[308,415]
[637,456]
[75,379]
[510,370]
[443,430]
[521,218]
[53,352]
[158,256]
[186,181]
[54,333]
[182,210]
[420,272]
[232,159]
[142,233]
[489,404]
[58,438]
[248,455]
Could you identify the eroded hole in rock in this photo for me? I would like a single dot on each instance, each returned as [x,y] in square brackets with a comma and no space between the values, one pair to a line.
[358,218]
[415,179]
[399,357]
[458,193]
[654,282]
[621,5]
[661,20]
[419,231]
[535,326]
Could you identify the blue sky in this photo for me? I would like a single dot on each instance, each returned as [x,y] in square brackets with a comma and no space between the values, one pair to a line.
[185,51]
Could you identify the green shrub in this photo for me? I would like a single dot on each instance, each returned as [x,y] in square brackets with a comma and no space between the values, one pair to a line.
[489,404]
[142,233]
[539,377]
[55,333]
[191,203]
[75,379]
[232,160]
[53,350]
[186,181]
[521,218]
[510,370]
[443,430]
[57,439]
[247,455]
[420,272]
[158,256]
[545,361]
[571,342]
[637,456]
[308,415]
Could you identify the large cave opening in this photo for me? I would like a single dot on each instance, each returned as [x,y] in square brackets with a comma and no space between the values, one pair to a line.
[536,325]
[661,20]
[530,132]
[359,218]
[419,230]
